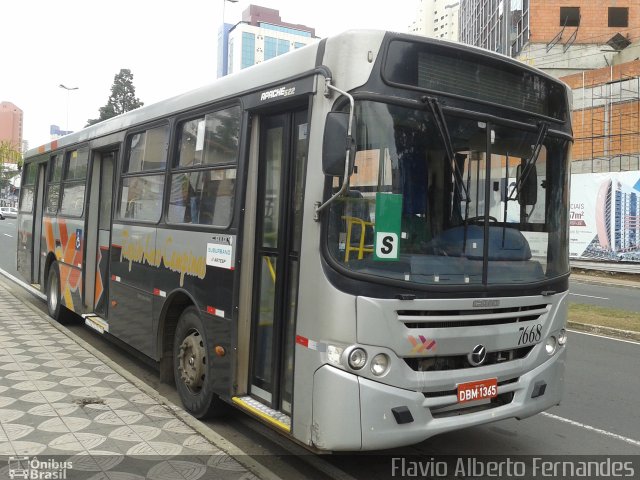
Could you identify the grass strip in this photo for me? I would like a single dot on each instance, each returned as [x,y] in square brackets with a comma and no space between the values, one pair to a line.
[605,317]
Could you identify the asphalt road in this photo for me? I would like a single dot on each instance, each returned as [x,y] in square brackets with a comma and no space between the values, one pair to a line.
[8,245]
[621,297]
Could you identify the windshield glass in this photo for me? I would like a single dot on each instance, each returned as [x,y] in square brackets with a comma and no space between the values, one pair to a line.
[485,204]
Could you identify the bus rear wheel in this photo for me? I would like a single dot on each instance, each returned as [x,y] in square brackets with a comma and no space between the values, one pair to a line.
[54,307]
[192,368]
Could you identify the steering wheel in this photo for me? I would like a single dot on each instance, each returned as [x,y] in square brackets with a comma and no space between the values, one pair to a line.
[481,218]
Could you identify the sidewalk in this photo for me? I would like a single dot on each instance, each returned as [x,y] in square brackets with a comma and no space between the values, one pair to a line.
[68,414]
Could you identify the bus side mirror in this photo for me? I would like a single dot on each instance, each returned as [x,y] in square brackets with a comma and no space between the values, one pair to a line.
[528,190]
[335,144]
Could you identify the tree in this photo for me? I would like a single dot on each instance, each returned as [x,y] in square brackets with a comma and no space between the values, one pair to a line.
[9,154]
[122,99]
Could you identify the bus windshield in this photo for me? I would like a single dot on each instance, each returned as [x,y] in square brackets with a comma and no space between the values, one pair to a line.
[440,199]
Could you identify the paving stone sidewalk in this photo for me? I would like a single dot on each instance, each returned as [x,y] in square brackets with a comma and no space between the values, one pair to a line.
[66,414]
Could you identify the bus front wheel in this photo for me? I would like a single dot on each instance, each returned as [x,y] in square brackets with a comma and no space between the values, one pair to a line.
[192,366]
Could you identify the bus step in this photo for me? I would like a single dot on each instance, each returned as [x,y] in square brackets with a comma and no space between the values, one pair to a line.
[269,415]
[96,322]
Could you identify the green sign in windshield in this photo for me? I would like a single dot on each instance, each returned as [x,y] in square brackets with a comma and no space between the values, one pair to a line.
[388,226]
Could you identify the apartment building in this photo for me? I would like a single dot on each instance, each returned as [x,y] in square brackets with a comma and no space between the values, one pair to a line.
[11,125]
[260,36]
[437,19]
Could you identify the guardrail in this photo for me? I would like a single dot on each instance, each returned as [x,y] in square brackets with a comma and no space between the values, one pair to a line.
[622,267]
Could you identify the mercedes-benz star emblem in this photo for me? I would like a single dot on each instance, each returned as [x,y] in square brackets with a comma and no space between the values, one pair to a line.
[478,355]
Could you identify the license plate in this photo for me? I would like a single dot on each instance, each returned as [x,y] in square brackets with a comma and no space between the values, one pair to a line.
[479,390]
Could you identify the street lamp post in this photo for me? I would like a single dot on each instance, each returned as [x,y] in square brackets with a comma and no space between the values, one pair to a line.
[68,89]
[223,38]
[224,3]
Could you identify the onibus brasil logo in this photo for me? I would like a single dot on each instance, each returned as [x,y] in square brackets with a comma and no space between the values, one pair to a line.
[34,469]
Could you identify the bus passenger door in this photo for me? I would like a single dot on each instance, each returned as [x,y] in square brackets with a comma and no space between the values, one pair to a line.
[99,232]
[282,160]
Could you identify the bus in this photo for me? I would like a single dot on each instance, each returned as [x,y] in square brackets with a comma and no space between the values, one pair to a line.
[362,243]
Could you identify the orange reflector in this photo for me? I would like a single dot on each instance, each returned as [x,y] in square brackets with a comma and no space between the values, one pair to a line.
[220,351]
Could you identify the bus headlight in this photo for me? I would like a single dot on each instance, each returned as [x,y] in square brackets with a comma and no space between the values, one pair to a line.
[562,337]
[550,345]
[379,364]
[357,358]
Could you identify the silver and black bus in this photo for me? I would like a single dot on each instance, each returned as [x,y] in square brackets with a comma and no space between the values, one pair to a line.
[363,243]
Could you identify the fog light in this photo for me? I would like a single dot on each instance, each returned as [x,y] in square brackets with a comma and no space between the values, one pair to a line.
[550,346]
[357,358]
[334,353]
[379,364]
[562,337]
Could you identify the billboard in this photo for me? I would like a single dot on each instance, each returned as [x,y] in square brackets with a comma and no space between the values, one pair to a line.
[604,216]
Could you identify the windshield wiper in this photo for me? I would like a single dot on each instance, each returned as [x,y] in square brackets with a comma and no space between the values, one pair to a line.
[441,124]
[531,161]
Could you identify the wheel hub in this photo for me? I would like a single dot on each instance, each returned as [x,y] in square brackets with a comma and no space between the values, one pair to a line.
[192,361]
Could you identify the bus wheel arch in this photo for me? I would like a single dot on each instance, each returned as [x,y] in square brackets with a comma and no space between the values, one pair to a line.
[177,303]
[51,258]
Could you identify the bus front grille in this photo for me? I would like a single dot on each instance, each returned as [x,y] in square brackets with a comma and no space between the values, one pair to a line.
[471,318]
[456,362]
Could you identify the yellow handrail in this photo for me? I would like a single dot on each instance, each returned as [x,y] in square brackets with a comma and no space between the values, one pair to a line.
[272,270]
[360,248]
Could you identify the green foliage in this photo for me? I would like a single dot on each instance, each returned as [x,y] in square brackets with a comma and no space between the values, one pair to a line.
[9,153]
[122,99]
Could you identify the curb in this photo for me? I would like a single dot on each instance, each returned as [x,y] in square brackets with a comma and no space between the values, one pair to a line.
[209,434]
[605,331]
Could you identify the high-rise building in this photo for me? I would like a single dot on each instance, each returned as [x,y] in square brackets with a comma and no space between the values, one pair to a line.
[260,36]
[11,125]
[437,19]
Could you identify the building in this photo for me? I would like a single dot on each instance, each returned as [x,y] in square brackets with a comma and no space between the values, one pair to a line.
[485,23]
[560,36]
[437,19]
[260,36]
[11,125]
[606,118]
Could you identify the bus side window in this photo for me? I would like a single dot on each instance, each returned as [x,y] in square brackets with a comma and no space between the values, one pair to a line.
[224,202]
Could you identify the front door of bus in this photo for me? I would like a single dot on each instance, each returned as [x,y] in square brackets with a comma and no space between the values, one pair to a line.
[283,154]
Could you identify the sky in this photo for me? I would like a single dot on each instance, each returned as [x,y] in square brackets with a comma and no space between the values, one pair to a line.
[169,46]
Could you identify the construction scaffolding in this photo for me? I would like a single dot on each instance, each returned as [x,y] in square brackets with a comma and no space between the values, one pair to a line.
[606,120]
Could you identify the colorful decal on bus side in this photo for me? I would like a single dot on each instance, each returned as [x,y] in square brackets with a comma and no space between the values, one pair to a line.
[68,253]
[103,266]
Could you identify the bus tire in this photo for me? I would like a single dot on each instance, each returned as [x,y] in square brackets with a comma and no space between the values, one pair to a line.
[54,299]
[192,366]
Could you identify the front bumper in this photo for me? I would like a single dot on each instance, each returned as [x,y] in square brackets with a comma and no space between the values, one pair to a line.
[355,413]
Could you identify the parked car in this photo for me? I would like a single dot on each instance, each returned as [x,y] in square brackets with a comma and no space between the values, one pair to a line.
[9,212]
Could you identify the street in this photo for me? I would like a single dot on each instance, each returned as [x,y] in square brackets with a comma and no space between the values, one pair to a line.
[620,297]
